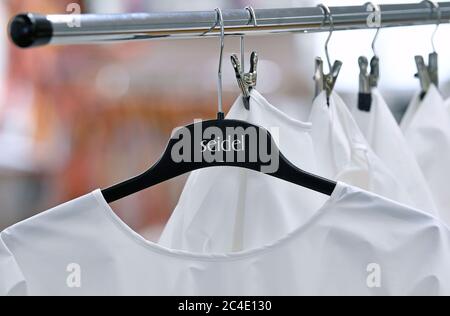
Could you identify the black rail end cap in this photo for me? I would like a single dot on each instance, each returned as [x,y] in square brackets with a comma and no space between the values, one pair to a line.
[30,30]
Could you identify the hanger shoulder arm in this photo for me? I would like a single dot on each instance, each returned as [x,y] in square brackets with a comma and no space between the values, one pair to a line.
[289,172]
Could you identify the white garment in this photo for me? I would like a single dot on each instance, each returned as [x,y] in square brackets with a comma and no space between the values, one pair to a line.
[447,105]
[356,244]
[12,281]
[223,210]
[341,147]
[385,137]
[226,210]
[426,126]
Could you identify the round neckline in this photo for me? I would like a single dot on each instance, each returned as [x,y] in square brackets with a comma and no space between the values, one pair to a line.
[261,101]
[132,235]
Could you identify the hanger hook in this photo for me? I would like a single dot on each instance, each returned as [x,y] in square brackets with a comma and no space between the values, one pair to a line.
[220,22]
[252,18]
[327,15]
[376,8]
[434,7]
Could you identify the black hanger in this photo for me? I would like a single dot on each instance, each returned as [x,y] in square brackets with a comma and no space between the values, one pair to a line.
[219,143]
[231,137]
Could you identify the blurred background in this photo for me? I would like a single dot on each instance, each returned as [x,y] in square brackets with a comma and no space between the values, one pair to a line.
[77,118]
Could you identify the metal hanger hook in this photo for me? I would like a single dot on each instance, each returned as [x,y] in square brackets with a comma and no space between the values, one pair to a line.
[220,22]
[377,10]
[252,13]
[252,18]
[327,15]
[434,7]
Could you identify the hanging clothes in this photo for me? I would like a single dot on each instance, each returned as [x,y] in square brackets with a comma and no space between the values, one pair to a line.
[224,210]
[426,126]
[385,137]
[233,210]
[341,147]
[357,243]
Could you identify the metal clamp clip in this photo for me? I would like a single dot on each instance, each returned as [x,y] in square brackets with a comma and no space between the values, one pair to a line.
[246,80]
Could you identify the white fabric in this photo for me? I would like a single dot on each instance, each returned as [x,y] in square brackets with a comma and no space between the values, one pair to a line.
[385,137]
[224,210]
[426,126]
[232,210]
[12,281]
[412,108]
[341,147]
[356,244]
[447,105]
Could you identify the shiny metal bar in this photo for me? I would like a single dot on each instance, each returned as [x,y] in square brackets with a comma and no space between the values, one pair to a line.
[98,28]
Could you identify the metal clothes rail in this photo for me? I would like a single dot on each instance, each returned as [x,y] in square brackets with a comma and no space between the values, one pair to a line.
[28,30]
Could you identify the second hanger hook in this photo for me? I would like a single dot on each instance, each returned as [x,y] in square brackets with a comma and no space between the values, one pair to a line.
[327,16]
[376,9]
[434,7]
[252,18]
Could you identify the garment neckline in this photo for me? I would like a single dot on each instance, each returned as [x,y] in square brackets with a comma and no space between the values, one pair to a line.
[132,235]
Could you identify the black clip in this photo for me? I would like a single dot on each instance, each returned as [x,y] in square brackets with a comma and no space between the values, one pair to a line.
[367,81]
